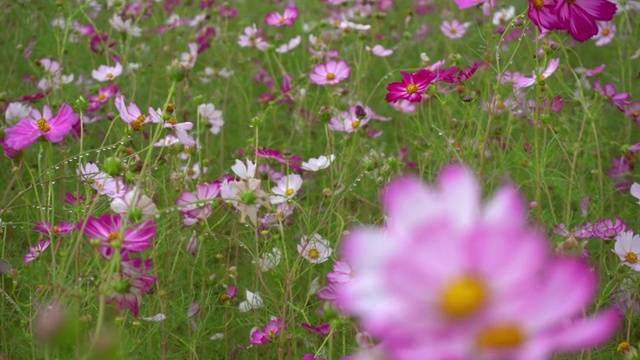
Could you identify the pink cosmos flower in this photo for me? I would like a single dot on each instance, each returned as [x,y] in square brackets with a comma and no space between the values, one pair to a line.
[633,111]
[444,279]
[54,230]
[286,19]
[28,130]
[135,205]
[197,206]
[541,13]
[113,233]
[104,94]
[348,121]
[330,73]
[315,249]
[379,50]
[412,86]
[605,229]
[128,286]
[578,17]
[132,115]
[36,250]
[251,38]
[454,29]
[606,33]
[538,77]
[619,100]
[286,189]
[270,331]
[107,73]
[464,4]
[404,106]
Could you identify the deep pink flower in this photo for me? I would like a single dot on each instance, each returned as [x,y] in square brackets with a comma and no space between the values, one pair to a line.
[270,331]
[464,4]
[197,206]
[411,87]
[541,13]
[443,279]
[453,75]
[579,17]
[112,233]
[286,19]
[59,229]
[28,130]
[330,73]
[605,229]
[633,111]
[619,100]
[128,286]
[323,329]
[104,94]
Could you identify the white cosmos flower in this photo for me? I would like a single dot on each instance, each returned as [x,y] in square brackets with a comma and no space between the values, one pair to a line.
[254,301]
[322,162]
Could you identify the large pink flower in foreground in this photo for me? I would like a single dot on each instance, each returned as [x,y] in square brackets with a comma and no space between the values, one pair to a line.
[451,278]
[110,232]
[28,130]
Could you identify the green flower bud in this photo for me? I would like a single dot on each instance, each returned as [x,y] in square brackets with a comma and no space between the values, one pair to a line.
[113,166]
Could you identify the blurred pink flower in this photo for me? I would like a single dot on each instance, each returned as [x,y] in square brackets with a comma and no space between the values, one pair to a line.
[330,73]
[286,19]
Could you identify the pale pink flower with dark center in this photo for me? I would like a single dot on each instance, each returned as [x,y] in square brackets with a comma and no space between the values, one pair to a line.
[196,207]
[251,38]
[288,18]
[132,115]
[54,230]
[330,73]
[268,333]
[104,94]
[286,189]
[107,73]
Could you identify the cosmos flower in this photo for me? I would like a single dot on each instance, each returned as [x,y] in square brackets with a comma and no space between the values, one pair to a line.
[251,38]
[443,279]
[132,115]
[286,189]
[315,249]
[320,163]
[627,248]
[107,73]
[609,92]
[104,94]
[379,50]
[288,18]
[36,250]
[454,29]
[412,86]
[538,77]
[28,130]
[254,301]
[606,33]
[127,286]
[268,333]
[110,232]
[135,204]
[330,73]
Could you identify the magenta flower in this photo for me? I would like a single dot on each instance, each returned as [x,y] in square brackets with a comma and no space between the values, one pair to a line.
[411,87]
[56,230]
[197,206]
[443,279]
[619,100]
[270,331]
[330,73]
[110,232]
[464,4]
[104,94]
[579,17]
[605,229]
[128,286]
[541,13]
[633,111]
[28,130]
[286,19]
[36,250]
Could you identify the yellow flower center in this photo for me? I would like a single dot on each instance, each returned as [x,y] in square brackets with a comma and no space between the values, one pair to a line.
[55,229]
[101,97]
[330,76]
[136,124]
[500,337]
[224,297]
[541,77]
[453,30]
[109,76]
[636,113]
[289,192]
[605,32]
[462,297]
[314,253]
[537,4]
[623,347]
[631,257]
[281,21]
[355,124]
[42,125]
[411,89]
[172,121]
[113,237]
